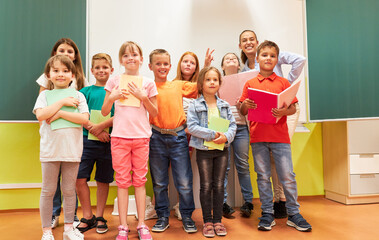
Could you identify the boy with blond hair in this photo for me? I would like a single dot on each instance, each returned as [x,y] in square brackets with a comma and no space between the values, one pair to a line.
[98,152]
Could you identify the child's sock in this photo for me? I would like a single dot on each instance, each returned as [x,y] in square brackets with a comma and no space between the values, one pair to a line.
[68,226]
[47,230]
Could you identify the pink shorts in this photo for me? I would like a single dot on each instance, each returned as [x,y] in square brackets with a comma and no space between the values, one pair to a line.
[130,155]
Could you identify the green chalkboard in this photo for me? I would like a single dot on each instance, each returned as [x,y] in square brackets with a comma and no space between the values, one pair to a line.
[29,30]
[343,58]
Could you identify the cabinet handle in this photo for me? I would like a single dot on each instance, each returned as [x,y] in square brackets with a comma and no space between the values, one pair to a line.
[366,155]
[367,175]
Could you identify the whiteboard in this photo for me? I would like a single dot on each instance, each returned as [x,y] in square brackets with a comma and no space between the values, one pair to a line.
[194,25]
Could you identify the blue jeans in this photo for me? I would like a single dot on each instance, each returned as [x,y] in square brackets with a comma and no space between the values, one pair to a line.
[240,146]
[166,149]
[281,152]
[57,200]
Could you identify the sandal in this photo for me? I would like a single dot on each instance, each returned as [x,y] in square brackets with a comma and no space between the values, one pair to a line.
[91,223]
[101,228]
[208,230]
[144,232]
[122,233]
[220,229]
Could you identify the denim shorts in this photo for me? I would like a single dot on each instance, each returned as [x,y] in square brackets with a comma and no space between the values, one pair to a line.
[99,153]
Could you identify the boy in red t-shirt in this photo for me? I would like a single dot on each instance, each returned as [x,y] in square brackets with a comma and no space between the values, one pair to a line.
[272,137]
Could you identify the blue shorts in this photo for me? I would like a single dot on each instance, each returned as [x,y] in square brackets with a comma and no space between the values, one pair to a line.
[99,152]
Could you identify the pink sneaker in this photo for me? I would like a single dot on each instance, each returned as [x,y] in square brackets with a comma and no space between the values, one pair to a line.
[122,233]
[144,233]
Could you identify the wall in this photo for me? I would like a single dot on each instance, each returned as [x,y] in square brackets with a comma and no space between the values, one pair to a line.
[194,20]
[195,25]
[19,147]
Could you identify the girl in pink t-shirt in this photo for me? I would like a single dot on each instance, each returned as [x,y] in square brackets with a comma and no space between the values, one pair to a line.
[130,135]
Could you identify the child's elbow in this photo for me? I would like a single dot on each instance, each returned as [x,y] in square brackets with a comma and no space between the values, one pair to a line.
[85,118]
[39,115]
[104,112]
[39,118]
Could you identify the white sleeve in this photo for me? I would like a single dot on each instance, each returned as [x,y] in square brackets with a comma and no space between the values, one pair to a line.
[86,83]
[296,61]
[42,81]
[83,107]
[41,101]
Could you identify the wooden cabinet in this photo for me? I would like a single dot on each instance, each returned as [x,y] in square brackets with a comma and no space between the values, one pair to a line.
[351,161]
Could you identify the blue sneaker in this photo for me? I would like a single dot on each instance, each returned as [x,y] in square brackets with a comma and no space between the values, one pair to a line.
[189,225]
[267,221]
[161,225]
[297,221]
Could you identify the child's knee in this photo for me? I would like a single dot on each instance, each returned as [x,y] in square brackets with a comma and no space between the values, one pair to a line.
[139,181]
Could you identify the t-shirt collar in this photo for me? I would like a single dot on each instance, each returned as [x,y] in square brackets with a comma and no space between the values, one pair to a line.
[271,77]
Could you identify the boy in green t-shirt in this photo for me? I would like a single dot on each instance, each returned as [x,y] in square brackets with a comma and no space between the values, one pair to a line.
[96,151]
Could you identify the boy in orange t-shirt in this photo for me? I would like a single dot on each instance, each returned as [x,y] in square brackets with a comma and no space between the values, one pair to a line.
[272,137]
[169,145]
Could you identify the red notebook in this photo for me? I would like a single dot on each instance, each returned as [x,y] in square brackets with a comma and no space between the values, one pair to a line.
[266,101]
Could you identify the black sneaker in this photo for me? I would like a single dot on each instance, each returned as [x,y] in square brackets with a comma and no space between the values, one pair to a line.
[280,210]
[161,225]
[227,210]
[189,225]
[266,222]
[246,209]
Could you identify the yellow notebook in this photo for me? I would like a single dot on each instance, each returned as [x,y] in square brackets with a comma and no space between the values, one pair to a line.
[131,101]
[219,125]
[96,117]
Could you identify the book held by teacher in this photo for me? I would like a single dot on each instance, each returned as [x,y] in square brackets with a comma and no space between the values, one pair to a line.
[232,86]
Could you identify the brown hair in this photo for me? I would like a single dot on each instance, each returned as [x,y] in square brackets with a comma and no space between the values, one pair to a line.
[77,61]
[128,45]
[222,61]
[62,59]
[243,55]
[269,44]
[200,80]
[101,56]
[179,69]
[158,52]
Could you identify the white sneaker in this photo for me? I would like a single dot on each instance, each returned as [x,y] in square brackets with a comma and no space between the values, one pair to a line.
[150,212]
[55,221]
[76,221]
[73,234]
[177,212]
[47,235]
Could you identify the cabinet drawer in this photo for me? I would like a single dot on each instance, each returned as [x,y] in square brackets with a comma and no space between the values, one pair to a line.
[363,136]
[364,163]
[364,184]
